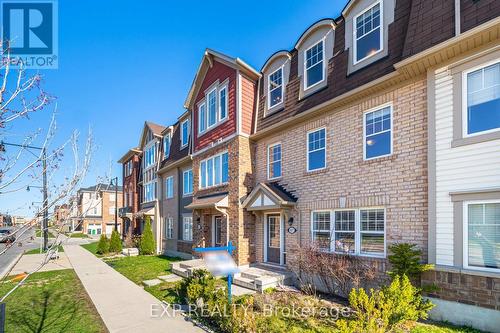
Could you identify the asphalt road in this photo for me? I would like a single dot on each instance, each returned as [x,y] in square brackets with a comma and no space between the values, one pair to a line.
[12,254]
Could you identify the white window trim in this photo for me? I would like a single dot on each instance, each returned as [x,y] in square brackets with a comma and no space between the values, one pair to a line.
[183,145]
[465,241]
[307,148]
[355,33]
[169,136]
[217,87]
[213,170]
[186,194]
[213,89]
[465,123]
[190,239]
[282,68]
[269,161]
[167,180]
[357,231]
[306,87]
[219,111]
[169,227]
[380,107]
[200,105]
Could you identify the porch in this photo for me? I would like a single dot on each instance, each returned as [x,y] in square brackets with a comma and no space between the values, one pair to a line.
[258,277]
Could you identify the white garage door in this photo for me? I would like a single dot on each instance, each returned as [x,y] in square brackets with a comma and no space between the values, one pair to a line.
[110,227]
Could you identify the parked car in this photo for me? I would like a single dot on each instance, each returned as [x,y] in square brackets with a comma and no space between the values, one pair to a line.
[6,236]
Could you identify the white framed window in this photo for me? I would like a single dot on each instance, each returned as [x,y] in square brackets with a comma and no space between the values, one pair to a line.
[314,65]
[275,88]
[187,228]
[274,161]
[184,133]
[111,210]
[169,228]
[212,107]
[166,145]
[368,32]
[358,231]
[481,232]
[187,182]
[202,118]
[214,170]
[377,132]
[128,168]
[316,149]
[169,187]
[222,103]
[481,99]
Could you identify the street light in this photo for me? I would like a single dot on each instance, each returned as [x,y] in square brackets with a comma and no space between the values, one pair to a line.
[116,200]
[45,223]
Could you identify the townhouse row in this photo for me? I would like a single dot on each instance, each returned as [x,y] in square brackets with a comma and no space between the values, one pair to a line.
[380,126]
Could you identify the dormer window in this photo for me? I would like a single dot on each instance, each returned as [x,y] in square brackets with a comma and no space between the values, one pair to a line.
[368,37]
[166,145]
[213,109]
[184,133]
[313,66]
[275,88]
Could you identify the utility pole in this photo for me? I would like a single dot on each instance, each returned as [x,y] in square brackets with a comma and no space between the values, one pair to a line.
[116,201]
[45,202]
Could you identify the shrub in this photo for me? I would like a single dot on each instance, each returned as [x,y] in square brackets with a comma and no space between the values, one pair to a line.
[103,245]
[115,245]
[405,260]
[338,273]
[147,243]
[393,308]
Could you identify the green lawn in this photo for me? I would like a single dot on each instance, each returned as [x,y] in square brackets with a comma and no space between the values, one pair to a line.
[37,251]
[91,247]
[442,328]
[38,233]
[142,268]
[78,235]
[51,302]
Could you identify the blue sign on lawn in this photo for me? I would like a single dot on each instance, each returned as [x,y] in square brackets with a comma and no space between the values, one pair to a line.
[219,262]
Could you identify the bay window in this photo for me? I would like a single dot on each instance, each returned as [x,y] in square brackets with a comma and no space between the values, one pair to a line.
[214,171]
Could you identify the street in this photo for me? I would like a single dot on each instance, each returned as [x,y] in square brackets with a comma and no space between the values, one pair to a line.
[12,254]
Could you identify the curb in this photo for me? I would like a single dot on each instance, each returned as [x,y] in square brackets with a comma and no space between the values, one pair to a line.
[11,266]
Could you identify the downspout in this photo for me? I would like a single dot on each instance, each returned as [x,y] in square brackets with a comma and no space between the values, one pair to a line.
[457,18]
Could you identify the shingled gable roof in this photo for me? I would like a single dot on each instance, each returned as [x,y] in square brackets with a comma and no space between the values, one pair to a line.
[207,62]
[155,129]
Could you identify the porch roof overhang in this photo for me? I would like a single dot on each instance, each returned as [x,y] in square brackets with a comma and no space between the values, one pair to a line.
[266,196]
[146,211]
[216,201]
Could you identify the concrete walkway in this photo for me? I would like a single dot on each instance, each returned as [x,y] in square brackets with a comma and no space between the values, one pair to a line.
[123,305]
[30,262]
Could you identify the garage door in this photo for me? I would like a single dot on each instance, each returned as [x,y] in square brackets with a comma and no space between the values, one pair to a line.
[110,227]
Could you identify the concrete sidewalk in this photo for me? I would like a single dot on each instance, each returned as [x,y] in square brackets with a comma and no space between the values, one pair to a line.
[122,305]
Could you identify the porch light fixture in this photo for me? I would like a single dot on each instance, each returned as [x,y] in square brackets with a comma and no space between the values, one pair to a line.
[290,221]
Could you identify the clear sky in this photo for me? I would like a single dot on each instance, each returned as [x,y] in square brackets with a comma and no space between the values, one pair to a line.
[124,62]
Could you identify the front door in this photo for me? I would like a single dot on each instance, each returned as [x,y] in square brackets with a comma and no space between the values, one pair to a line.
[218,231]
[273,236]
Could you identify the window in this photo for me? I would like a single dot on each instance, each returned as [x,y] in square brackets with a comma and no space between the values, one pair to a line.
[187,182]
[184,133]
[187,227]
[112,197]
[214,171]
[166,145]
[314,62]
[128,168]
[222,103]
[202,118]
[150,191]
[149,155]
[321,229]
[212,108]
[482,235]
[353,231]
[316,150]
[111,210]
[274,161]
[169,187]
[378,133]
[275,88]
[367,33]
[169,229]
[483,100]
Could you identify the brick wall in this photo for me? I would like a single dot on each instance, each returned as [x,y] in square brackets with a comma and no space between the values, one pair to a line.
[465,288]
[397,182]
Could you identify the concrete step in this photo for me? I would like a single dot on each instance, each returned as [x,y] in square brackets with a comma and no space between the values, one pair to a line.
[250,275]
[191,263]
[244,282]
[180,271]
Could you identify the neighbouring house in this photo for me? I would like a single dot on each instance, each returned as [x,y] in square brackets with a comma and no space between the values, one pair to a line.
[61,214]
[96,209]
[132,190]
[176,189]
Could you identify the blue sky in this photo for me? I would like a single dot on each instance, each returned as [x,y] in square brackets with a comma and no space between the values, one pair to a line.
[124,62]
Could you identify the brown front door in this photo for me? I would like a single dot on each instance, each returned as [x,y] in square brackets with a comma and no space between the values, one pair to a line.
[273,236]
